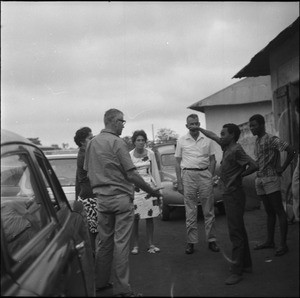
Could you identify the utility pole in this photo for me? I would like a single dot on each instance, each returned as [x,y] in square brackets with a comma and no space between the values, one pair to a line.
[153,133]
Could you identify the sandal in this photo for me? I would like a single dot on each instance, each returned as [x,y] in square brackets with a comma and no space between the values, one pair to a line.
[135,250]
[264,245]
[153,249]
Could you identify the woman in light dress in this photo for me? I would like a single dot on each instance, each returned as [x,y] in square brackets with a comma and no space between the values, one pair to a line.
[145,208]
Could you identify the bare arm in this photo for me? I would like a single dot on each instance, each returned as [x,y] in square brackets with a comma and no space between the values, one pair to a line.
[210,135]
[178,175]
[290,156]
[251,168]
[212,165]
[134,177]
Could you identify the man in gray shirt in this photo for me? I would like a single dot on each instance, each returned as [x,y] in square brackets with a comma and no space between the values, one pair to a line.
[113,176]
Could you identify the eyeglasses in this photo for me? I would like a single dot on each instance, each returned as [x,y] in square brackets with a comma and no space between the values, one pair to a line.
[123,121]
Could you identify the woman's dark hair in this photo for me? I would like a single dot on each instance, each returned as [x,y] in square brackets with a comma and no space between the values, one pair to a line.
[81,134]
[233,129]
[138,133]
[258,118]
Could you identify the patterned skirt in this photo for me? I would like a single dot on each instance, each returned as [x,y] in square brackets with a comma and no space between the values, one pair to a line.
[90,207]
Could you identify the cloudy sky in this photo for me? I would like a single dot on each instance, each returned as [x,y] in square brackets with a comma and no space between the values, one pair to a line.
[63,64]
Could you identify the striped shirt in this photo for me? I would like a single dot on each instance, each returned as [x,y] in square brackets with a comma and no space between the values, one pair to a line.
[267,152]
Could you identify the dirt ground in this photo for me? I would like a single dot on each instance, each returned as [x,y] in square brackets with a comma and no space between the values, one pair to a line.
[172,273]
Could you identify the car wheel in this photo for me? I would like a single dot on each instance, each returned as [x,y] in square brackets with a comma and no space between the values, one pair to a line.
[165,214]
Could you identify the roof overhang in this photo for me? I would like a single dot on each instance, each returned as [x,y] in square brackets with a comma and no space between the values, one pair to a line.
[260,63]
[202,109]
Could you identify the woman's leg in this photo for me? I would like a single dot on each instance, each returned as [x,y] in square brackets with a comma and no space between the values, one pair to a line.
[135,231]
[149,230]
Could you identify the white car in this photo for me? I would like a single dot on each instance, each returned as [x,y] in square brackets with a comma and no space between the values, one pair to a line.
[64,163]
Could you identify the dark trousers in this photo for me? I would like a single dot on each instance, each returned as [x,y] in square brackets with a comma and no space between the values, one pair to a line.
[234,206]
[273,206]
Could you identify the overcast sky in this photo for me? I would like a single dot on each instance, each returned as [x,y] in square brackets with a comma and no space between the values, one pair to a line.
[63,64]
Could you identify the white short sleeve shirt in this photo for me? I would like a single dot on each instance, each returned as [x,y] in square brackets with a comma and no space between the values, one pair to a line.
[194,153]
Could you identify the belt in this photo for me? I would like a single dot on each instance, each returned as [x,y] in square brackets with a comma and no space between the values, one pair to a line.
[194,169]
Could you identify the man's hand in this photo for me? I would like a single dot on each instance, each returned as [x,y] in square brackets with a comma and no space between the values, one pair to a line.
[180,187]
[155,193]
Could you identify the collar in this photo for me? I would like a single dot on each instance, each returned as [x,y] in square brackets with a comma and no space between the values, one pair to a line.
[188,136]
[107,130]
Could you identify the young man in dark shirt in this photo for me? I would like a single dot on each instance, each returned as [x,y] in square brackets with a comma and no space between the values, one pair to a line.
[235,165]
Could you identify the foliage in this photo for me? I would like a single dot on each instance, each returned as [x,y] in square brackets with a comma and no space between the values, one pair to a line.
[128,142]
[165,135]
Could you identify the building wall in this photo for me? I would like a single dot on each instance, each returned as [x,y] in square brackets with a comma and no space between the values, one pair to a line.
[284,66]
[284,63]
[217,116]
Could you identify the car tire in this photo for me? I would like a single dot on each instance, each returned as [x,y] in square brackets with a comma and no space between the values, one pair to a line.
[165,214]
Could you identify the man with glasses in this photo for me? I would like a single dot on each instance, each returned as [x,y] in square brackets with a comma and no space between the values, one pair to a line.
[113,176]
[195,168]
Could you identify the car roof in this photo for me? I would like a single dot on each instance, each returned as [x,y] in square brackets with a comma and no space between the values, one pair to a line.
[8,136]
[165,148]
[62,156]
[61,152]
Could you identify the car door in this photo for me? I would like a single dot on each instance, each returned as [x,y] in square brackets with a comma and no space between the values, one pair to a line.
[40,244]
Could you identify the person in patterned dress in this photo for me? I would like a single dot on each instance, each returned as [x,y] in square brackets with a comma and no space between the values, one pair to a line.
[144,207]
[268,183]
[84,191]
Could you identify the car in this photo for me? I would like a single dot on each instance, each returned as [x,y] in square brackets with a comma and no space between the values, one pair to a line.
[45,245]
[64,163]
[166,162]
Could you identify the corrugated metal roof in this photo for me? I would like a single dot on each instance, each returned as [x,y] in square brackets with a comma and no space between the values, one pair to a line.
[259,64]
[248,90]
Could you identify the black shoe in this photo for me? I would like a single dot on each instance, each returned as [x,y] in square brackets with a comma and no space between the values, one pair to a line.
[213,246]
[281,251]
[233,279]
[107,286]
[189,248]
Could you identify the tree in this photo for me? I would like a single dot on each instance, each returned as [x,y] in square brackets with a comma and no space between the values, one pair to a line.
[165,135]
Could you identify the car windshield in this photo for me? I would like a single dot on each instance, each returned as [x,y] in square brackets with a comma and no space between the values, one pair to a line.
[168,163]
[168,160]
[65,170]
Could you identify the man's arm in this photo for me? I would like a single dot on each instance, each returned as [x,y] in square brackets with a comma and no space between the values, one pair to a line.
[134,177]
[251,168]
[210,135]
[290,156]
[212,164]
[178,175]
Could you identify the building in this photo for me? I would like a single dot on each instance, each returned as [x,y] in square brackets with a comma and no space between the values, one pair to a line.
[280,60]
[236,104]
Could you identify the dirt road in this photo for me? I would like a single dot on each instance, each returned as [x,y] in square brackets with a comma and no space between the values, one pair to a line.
[172,273]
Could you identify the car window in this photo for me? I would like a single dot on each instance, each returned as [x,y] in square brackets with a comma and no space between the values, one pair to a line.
[23,212]
[65,170]
[55,192]
[168,159]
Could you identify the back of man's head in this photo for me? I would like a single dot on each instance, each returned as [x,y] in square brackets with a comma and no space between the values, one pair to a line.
[110,115]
